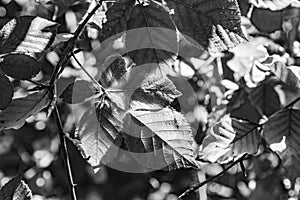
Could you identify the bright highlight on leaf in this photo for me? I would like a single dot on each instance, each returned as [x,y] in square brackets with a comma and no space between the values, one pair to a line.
[229,139]
[159,140]
[285,124]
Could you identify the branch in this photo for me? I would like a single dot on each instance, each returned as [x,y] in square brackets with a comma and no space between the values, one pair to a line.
[70,45]
[198,185]
[86,72]
[63,146]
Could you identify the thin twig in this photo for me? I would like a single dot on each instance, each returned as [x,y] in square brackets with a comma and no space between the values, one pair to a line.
[198,185]
[292,103]
[86,72]
[63,146]
[70,45]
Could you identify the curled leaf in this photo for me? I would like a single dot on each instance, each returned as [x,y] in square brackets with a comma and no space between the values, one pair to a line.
[229,139]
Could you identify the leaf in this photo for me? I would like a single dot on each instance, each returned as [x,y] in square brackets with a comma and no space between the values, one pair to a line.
[22,192]
[98,135]
[160,139]
[149,38]
[27,35]
[114,68]
[19,66]
[15,189]
[64,5]
[265,98]
[78,92]
[8,190]
[6,91]
[274,5]
[216,25]
[274,12]
[20,109]
[230,138]
[283,127]
[141,85]
[152,37]
[282,72]
[117,16]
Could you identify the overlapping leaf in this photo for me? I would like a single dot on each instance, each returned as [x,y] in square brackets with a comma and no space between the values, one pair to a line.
[283,72]
[130,88]
[283,127]
[98,134]
[230,138]
[22,40]
[117,17]
[159,139]
[20,109]
[78,92]
[152,37]
[142,88]
[265,98]
[274,13]
[213,24]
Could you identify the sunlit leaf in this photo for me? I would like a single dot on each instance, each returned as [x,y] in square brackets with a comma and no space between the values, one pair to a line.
[27,35]
[213,24]
[160,139]
[229,139]
[98,135]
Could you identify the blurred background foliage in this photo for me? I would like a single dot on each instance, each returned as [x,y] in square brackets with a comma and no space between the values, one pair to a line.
[34,149]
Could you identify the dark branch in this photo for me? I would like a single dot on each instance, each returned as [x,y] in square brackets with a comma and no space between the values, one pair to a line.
[198,185]
[63,146]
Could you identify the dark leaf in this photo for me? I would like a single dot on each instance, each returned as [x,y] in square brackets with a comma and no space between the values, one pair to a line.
[282,133]
[265,98]
[214,24]
[20,109]
[117,16]
[6,91]
[19,66]
[78,92]
[8,190]
[114,68]
[153,37]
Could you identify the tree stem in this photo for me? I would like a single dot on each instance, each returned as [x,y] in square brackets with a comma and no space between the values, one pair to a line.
[64,149]
[198,185]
